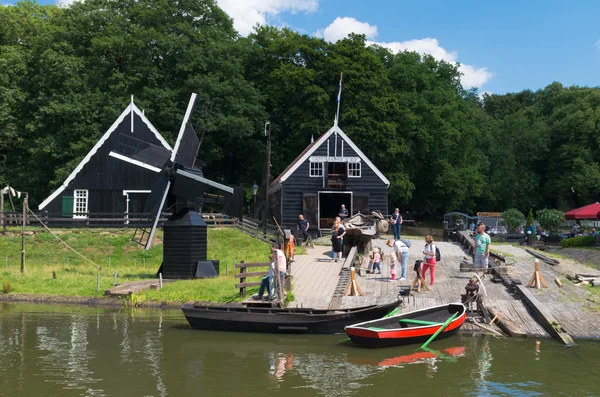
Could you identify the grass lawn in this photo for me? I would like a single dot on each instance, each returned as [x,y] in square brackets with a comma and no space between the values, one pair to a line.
[114,251]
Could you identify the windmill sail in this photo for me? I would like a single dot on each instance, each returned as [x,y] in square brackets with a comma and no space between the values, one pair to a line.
[188,150]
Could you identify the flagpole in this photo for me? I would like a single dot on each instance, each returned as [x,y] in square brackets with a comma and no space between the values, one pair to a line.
[339,99]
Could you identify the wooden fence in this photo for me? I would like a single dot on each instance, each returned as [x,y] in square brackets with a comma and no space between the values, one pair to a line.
[103,220]
[256,229]
[243,274]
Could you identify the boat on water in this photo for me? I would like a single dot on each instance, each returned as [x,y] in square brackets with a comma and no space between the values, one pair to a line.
[404,329]
[279,320]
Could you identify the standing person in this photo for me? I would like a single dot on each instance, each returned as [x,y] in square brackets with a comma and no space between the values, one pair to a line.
[396,221]
[376,260]
[343,212]
[290,248]
[392,267]
[401,251]
[303,226]
[482,249]
[429,261]
[337,234]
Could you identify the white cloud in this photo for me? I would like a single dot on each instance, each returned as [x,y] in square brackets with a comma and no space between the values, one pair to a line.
[247,13]
[341,27]
[597,44]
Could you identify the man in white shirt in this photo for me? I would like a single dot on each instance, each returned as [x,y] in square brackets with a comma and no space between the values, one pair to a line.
[401,251]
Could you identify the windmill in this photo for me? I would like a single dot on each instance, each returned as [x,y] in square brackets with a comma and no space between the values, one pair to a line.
[183,188]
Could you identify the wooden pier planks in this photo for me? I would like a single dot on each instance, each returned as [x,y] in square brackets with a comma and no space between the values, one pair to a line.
[545,317]
[314,280]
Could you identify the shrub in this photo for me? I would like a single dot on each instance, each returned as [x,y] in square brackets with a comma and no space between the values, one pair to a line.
[581,241]
[6,287]
[550,220]
[513,218]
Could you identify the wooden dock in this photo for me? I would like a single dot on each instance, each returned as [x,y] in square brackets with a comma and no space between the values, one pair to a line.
[315,279]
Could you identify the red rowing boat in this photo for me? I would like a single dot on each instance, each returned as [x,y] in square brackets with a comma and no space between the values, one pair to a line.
[404,329]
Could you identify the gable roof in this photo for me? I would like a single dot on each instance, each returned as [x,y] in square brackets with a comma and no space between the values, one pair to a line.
[131,109]
[314,146]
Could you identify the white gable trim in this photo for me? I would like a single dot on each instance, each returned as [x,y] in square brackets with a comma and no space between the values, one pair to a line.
[98,145]
[365,158]
[151,127]
[323,138]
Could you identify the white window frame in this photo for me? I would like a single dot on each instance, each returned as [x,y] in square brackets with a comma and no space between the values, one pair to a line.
[76,209]
[315,171]
[356,172]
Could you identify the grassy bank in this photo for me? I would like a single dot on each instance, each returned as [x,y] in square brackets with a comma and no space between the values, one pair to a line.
[114,251]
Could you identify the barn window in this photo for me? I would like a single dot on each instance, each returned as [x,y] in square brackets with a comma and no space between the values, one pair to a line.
[316,169]
[80,204]
[354,170]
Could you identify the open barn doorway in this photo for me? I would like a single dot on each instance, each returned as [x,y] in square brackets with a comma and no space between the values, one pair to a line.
[329,207]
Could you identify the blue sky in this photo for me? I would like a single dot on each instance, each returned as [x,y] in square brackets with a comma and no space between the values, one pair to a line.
[503,46]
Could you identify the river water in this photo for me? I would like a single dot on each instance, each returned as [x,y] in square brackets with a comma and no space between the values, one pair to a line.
[49,350]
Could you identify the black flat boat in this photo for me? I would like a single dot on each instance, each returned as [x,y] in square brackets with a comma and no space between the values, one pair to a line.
[275,320]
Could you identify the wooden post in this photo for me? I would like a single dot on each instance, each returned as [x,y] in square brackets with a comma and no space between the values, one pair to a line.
[537,280]
[2,224]
[419,282]
[242,279]
[23,233]
[353,288]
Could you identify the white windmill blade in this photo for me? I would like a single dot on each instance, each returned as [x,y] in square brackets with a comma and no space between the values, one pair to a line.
[186,119]
[134,161]
[205,181]
[157,216]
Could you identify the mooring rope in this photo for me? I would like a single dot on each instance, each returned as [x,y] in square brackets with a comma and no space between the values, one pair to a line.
[62,241]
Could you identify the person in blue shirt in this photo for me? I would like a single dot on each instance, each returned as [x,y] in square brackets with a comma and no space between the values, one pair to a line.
[343,212]
[396,221]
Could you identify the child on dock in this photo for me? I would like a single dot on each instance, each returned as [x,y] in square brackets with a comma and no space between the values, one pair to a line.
[376,260]
[392,267]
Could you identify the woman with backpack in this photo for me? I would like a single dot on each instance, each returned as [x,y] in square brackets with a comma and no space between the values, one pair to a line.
[429,261]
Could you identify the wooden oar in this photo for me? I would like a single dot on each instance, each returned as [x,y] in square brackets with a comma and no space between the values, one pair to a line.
[443,327]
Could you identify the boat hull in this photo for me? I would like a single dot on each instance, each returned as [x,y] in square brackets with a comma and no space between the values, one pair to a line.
[393,331]
[266,320]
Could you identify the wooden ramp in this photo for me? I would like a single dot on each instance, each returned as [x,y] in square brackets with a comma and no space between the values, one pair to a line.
[134,287]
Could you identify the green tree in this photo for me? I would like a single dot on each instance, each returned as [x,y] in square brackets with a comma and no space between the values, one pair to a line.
[530,218]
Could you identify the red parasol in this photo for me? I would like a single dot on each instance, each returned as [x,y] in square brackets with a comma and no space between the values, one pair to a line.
[591,211]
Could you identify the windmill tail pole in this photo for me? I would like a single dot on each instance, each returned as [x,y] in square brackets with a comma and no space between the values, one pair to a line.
[443,327]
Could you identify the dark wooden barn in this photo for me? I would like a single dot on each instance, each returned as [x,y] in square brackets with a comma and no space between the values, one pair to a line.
[103,183]
[330,172]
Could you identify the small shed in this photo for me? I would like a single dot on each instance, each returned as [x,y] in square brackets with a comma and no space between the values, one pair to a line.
[330,172]
[104,184]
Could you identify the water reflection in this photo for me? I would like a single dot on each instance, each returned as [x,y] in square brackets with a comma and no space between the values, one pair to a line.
[96,352]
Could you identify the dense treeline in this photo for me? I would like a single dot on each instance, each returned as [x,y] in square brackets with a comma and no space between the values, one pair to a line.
[67,73]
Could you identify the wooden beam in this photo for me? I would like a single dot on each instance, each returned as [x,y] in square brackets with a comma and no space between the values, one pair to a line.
[558,282]
[253,274]
[545,317]
[506,324]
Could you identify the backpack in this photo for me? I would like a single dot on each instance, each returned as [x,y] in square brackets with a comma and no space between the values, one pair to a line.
[438,255]
[406,242]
